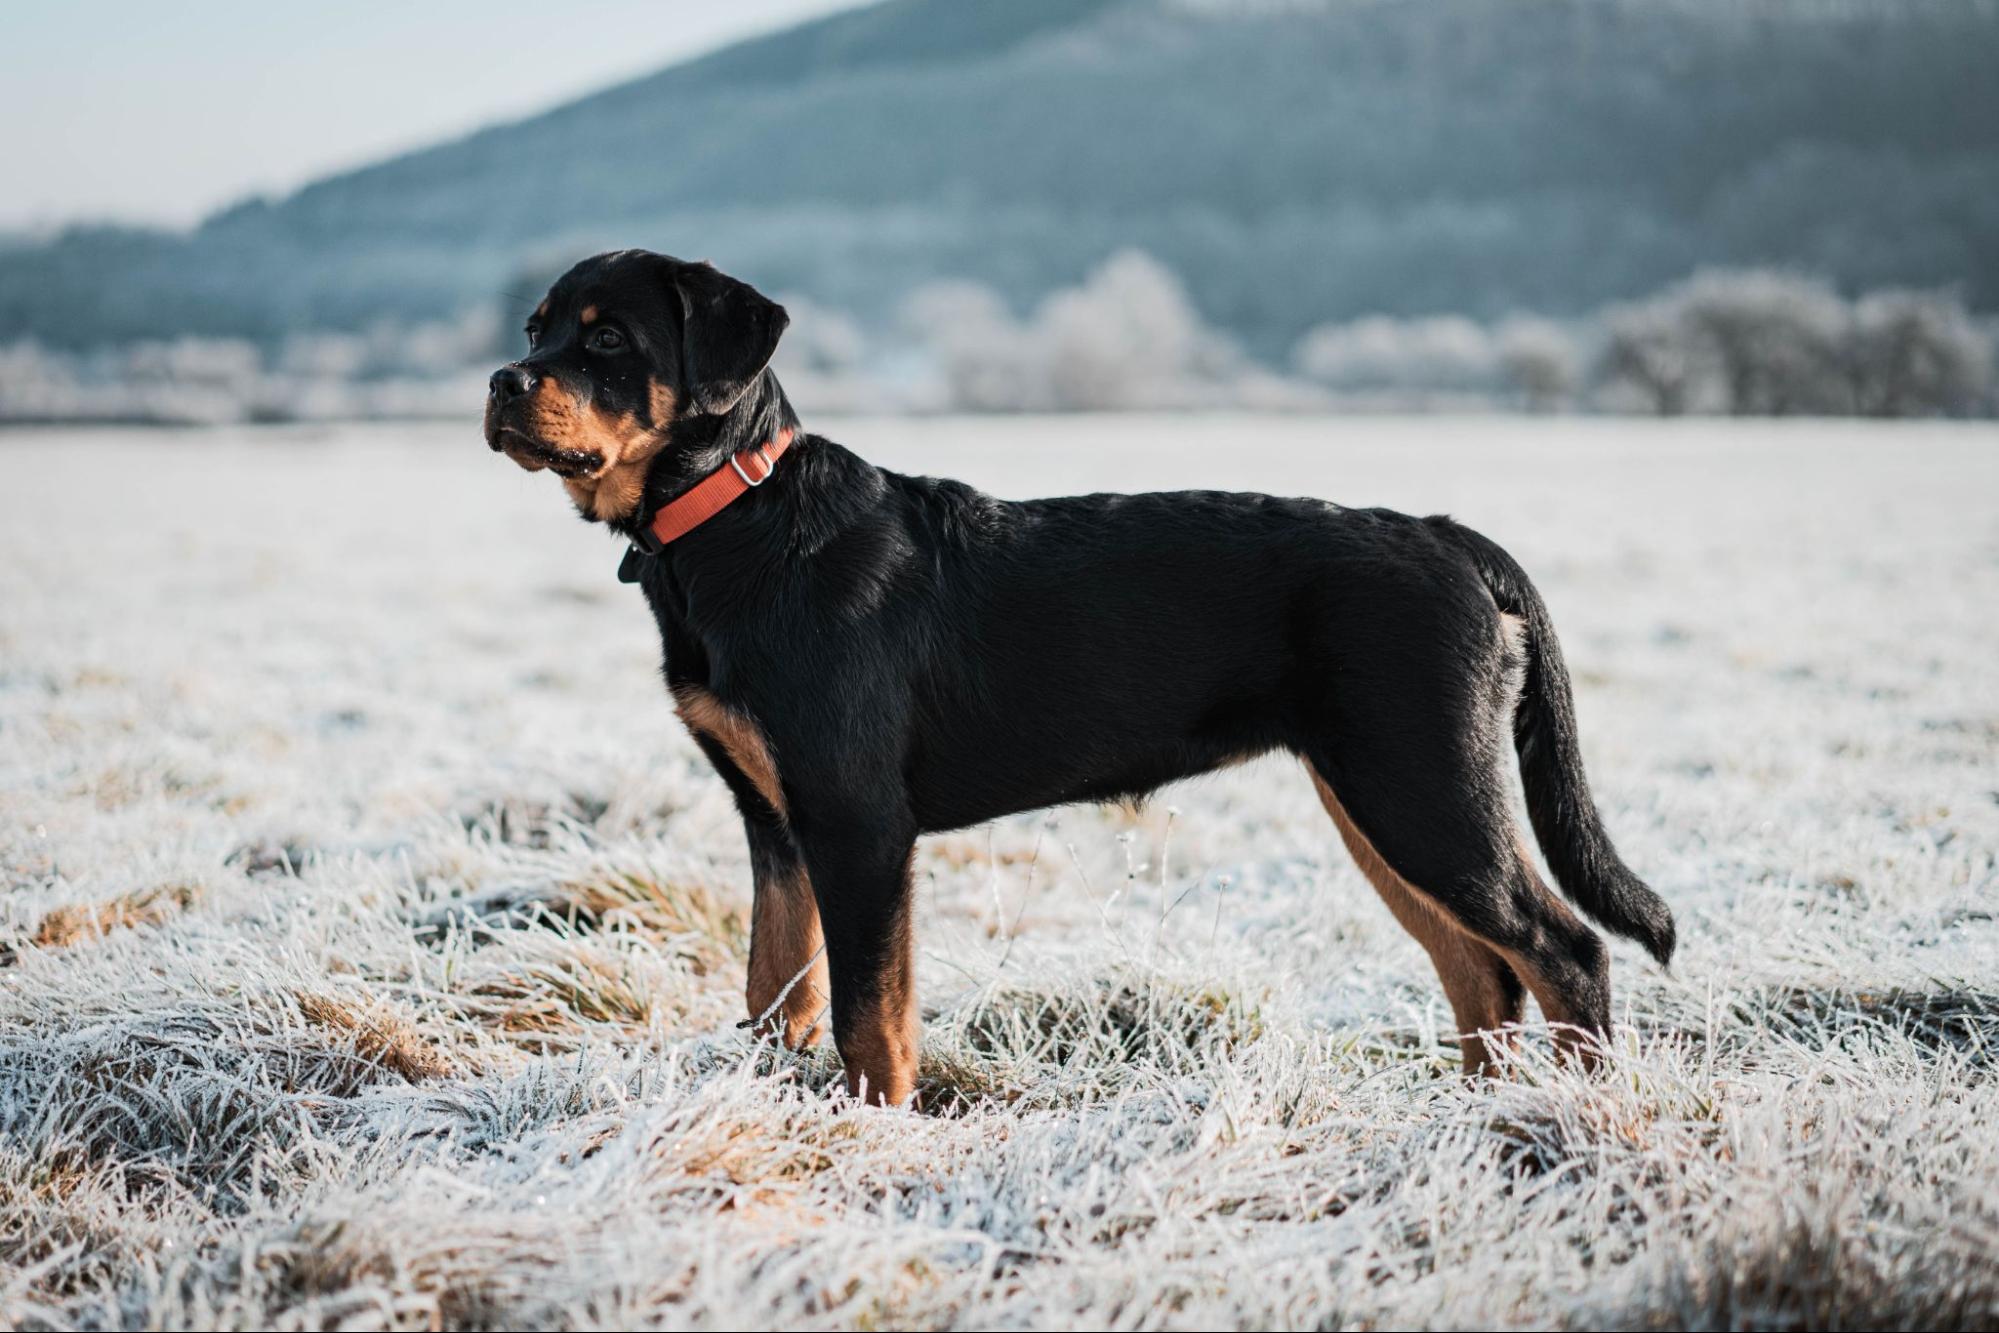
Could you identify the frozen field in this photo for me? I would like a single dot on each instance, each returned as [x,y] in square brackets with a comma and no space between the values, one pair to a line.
[373,937]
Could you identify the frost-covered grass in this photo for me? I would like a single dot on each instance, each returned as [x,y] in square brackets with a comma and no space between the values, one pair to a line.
[373,938]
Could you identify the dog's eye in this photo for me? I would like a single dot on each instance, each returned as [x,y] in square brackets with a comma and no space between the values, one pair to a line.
[606,340]
[534,335]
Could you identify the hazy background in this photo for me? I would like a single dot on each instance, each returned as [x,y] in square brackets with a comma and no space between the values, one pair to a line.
[161,115]
[1749,206]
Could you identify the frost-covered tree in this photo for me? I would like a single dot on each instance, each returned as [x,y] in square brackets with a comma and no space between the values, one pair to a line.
[1747,342]
[1539,360]
[985,357]
[1126,337]
[1647,354]
[1914,353]
[825,358]
[1777,339]
[1414,358]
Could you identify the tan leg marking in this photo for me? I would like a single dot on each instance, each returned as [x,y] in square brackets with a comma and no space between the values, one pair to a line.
[880,1049]
[1473,972]
[739,737]
[785,940]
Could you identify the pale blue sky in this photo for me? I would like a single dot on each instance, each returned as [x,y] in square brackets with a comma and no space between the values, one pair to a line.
[162,112]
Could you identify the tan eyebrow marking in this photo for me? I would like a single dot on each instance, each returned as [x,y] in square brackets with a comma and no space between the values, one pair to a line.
[589,314]
[541,311]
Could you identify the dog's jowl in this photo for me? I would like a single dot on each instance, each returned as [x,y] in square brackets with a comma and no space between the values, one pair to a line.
[866,657]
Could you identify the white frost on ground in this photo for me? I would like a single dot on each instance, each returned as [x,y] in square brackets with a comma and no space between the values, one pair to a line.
[372,940]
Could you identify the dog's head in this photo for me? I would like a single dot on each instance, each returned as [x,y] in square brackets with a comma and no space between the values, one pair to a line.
[625,347]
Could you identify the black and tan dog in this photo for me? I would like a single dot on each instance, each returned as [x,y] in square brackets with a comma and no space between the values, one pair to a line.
[866,657]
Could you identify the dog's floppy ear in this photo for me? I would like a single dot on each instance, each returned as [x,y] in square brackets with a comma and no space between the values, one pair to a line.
[728,332]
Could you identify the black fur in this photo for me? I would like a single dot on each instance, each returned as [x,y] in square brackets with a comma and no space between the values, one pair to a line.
[1566,821]
[923,657]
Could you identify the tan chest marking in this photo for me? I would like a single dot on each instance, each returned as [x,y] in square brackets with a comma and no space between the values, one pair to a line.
[736,735]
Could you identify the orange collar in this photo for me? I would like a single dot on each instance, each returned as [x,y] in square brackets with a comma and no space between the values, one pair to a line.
[714,493]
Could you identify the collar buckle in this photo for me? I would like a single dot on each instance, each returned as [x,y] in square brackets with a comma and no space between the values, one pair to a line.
[707,497]
[770,466]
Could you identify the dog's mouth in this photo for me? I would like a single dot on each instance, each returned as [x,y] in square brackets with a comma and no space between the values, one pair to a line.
[534,454]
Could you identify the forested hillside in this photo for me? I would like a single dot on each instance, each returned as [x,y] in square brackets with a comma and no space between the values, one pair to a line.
[1290,163]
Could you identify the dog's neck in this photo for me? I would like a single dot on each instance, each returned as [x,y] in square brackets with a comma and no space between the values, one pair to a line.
[817,492]
[795,512]
[703,445]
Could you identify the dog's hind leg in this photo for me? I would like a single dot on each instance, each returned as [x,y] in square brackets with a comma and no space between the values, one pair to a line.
[1445,849]
[1487,998]
[1408,754]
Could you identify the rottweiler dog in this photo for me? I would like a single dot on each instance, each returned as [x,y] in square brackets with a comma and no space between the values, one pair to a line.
[866,657]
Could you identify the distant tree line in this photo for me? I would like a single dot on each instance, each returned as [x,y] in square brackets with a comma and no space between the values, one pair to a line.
[1128,337]
[1771,344]
[1751,342]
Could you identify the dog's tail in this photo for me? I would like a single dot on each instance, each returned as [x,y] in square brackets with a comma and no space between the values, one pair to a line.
[1566,821]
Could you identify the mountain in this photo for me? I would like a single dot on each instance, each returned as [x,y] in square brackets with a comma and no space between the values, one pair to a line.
[1291,162]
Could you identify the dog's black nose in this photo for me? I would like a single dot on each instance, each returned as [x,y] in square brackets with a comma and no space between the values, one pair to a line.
[510,382]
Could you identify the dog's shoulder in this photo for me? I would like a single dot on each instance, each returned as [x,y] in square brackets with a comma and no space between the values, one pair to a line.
[949,512]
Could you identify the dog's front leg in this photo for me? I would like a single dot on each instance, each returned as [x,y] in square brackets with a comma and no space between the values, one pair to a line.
[860,877]
[788,992]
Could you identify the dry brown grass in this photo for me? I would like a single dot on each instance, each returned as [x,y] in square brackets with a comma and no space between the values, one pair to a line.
[65,927]
[692,920]
[552,1004]
[379,1034]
